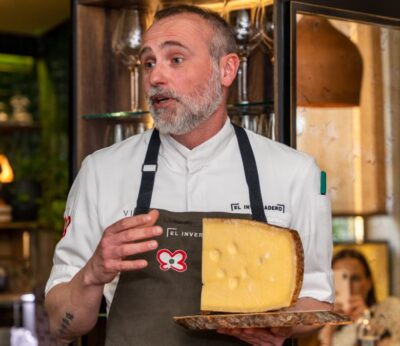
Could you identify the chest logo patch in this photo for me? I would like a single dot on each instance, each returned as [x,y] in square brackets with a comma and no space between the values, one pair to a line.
[172,260]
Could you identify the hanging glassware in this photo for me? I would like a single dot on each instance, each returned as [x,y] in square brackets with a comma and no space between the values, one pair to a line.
[258,117]
[244,20]
[267,27]
[126,41]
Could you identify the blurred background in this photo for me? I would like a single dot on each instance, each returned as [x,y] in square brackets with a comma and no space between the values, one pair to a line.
[35,99]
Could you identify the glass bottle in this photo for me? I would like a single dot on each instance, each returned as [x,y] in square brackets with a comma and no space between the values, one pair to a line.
[366,332]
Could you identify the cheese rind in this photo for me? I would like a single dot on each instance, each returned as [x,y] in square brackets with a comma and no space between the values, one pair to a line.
[249,266]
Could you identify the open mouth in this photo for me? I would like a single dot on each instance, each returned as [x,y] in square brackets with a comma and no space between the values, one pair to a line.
[160,100]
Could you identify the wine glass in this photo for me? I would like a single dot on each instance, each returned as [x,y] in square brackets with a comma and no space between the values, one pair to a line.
[267,26]
[243,18]
[126,41]
[114,133]
[255,117]
[266,125]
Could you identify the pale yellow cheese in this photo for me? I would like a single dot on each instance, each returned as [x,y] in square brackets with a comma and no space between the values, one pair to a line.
[249,266]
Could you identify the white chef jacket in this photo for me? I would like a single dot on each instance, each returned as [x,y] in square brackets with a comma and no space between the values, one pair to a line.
[208,178]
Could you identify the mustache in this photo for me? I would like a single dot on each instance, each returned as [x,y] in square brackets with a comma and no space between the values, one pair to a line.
[155,92]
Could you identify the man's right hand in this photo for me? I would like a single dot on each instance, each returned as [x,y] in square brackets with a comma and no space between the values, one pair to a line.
[126,237]
[79,300]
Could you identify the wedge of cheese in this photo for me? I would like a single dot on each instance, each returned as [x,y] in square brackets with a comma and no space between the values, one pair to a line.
[249,266]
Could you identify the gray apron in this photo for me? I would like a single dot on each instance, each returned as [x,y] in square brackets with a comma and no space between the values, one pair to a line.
[146,300]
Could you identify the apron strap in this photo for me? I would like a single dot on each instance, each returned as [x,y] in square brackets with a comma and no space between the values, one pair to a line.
[149,170]
[251,173]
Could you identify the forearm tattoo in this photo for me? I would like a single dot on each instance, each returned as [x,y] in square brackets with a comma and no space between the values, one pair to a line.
[65,323]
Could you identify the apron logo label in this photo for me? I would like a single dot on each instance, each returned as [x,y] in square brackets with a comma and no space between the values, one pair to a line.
[276,207]
[174,232]
[172,260]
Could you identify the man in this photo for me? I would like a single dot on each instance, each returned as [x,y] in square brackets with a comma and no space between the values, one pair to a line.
[194,166]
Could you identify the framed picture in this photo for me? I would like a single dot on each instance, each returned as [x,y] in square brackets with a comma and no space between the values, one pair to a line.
[377,255]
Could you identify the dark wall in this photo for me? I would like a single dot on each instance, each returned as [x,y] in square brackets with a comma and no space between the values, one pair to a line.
[40,153]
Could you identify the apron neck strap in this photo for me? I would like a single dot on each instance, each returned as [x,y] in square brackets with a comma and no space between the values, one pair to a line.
[149,170]
[251,173]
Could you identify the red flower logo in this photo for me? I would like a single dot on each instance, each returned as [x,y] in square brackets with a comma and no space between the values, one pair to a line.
[172,260]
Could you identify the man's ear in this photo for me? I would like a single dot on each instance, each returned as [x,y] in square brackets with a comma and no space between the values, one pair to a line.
[228,66]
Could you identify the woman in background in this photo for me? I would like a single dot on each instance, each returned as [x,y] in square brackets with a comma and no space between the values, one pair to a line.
[362,292]
[361,300]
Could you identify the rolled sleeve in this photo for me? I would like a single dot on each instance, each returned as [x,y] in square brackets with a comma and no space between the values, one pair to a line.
[318,286]
[59,274]
[83,231]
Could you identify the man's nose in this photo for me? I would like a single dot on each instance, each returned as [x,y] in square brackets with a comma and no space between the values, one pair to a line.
[157,76]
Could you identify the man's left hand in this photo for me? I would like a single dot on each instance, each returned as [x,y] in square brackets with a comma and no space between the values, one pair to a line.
[259,336]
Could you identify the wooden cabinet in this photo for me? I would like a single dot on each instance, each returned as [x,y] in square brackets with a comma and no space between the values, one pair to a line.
[101,82]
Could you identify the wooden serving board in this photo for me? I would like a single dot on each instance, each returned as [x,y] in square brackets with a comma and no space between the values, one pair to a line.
[262,320]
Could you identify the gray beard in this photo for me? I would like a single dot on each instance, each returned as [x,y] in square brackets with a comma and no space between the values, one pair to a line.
[190,110]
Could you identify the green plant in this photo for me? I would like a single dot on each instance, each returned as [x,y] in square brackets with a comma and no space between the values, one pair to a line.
[55,176]
[54,148]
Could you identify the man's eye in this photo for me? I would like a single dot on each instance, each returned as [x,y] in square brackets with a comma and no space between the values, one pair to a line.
[177,60]
[148,65]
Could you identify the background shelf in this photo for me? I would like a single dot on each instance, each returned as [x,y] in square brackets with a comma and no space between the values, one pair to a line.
[12,126]
[140,115]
